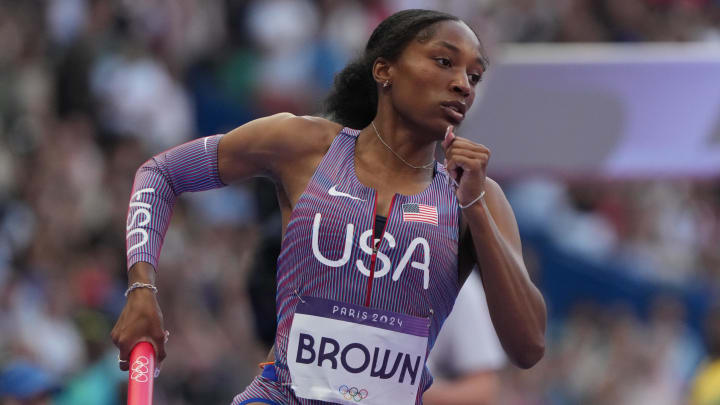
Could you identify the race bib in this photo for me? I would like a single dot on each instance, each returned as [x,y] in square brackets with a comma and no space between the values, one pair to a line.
[344,353]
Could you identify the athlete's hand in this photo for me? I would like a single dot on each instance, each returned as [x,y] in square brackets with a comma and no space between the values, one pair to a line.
[466,161]
[141,320]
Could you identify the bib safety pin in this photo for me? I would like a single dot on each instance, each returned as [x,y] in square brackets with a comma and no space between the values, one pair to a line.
[299,297]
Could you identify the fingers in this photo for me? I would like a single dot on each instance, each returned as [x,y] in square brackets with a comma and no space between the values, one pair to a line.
[125,338]
[466,144]
[124,364]
[157,340]
[467,160]
[123,356]
[159,345]
[449,136]
[161,353]
[468,153]
[449,139]
[461,163]
[462,154]
[455,147]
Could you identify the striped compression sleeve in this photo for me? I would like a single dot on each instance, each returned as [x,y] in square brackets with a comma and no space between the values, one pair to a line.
[192,166]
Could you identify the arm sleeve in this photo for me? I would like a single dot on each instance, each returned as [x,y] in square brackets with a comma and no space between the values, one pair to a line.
[192,166]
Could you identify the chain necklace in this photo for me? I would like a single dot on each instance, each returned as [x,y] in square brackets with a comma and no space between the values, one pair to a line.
[427,166]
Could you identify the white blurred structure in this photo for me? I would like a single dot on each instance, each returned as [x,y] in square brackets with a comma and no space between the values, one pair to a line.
[621,111]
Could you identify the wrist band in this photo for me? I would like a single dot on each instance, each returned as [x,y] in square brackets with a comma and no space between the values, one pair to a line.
[135,286]
[473,201]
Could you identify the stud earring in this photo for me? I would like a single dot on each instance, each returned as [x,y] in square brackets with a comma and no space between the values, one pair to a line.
[386,84]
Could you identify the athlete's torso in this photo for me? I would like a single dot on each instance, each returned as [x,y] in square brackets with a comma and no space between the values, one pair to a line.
[327,250]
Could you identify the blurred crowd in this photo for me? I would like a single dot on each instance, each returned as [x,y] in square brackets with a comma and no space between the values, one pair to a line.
[656,243]
[89,89]
[608,356]
[660,230]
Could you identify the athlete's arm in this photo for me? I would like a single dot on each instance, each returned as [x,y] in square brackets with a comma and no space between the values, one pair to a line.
[270,146]
[273,146]
[158,182]
[255,149]
[516,306]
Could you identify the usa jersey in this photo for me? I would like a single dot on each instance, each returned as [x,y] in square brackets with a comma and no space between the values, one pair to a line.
[329,251]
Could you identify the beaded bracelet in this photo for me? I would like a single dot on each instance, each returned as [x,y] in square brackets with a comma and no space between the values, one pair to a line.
[473,201]
[140,285]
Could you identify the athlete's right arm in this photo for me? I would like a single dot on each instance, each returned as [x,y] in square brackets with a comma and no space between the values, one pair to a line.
[262,147]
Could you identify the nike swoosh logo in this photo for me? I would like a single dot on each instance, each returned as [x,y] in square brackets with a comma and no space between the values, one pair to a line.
[333,192]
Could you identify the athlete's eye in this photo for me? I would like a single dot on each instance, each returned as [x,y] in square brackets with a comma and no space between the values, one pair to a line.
[475,78]
[444,62]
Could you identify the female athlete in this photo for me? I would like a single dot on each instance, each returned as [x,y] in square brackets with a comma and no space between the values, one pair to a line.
[378,237]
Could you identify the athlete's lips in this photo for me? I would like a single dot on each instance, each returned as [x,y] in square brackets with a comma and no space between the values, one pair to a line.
[455,109]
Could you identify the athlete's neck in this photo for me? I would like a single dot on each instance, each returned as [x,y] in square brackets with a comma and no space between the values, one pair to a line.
[393,135]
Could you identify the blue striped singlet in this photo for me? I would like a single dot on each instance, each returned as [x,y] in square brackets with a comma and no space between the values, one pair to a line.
[327,251]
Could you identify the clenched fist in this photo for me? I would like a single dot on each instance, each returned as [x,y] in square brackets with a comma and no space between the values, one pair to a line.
[466,161]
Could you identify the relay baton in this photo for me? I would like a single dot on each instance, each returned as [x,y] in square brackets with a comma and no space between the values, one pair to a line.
[141,374]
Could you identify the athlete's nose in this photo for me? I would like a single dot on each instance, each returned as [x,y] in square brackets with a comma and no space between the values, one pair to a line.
[461,85]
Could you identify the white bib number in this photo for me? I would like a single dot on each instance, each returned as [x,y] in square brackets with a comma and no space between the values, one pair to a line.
[343,353]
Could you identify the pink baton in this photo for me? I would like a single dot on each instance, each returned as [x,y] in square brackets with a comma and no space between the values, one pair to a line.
[141,374]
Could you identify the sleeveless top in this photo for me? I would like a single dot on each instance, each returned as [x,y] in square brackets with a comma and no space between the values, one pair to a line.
[327,251]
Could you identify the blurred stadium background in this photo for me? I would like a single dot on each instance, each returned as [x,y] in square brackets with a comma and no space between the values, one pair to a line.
[604,119]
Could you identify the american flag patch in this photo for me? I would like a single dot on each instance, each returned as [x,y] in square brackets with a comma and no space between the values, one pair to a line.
[420,213]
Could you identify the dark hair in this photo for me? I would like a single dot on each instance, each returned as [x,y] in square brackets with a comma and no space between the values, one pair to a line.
[353,99]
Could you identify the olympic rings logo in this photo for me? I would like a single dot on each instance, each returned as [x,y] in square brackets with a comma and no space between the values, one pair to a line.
[353,393]
[140,369]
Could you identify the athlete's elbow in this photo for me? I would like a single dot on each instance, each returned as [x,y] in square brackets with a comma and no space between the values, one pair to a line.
[149,165]
[530,354]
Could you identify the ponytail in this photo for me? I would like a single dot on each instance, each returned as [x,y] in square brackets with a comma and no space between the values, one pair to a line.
[354,98]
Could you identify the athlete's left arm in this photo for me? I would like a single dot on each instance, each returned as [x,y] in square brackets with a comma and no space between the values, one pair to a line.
[517,308]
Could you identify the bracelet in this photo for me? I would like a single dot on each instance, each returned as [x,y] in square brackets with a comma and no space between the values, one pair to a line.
[473,201]
[135,286]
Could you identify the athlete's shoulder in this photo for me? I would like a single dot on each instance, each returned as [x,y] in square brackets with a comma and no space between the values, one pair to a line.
[307,132]
[270,144]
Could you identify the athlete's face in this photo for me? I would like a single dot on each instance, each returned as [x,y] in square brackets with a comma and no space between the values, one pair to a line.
[434,80]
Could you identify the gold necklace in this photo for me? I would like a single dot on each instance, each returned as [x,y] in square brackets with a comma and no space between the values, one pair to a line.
[427,166]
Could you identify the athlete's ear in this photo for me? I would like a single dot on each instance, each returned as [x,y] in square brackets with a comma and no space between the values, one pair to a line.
[382,72]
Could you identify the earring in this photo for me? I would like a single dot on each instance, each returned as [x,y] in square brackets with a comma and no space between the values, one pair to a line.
[386,84]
